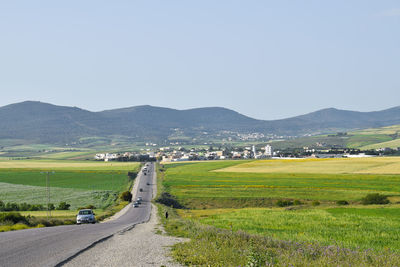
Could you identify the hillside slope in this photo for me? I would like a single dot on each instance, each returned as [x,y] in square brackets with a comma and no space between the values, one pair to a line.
[46,123]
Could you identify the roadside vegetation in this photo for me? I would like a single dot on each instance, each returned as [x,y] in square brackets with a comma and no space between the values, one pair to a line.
[283,217]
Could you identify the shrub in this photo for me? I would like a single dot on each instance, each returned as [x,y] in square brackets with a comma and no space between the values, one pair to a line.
[126,196]
[36,207]
[315,203]
[63,206]
[132,175]
[297,202]
[375,199]
[20,207]
[87,207]
[51,206]
[284,203]
[12,217]
[169,200]
[342,202]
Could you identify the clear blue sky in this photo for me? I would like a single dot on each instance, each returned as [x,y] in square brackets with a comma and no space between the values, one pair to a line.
[265,59]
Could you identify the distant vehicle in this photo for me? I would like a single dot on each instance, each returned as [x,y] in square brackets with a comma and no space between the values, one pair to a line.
[141,189]
[145,173]
[85,216]
[139,200]
[147,183]
[135,205]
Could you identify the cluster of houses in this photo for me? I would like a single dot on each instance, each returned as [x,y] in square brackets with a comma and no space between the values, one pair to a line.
[246,153]
[170,154]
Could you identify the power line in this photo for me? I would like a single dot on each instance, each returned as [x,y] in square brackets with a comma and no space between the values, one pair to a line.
[48,191]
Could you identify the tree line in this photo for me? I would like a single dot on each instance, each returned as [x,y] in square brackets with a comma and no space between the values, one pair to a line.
[9,206]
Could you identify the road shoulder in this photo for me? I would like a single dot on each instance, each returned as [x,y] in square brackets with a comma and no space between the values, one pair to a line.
[141,246]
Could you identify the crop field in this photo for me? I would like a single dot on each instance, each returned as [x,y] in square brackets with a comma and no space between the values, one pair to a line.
[66,165]
[77,183]
[68,155]
[363,139]
[354,227]
[387,165]
[241,195]
[392,144]
[394,129]
[218,184]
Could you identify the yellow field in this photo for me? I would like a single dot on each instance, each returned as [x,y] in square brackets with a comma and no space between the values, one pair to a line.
[70,165]
[381,165]
[54,213]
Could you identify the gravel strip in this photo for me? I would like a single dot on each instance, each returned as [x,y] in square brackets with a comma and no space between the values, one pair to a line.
[141,246]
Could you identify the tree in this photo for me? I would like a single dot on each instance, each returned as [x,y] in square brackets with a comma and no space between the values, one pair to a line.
[126,196]
[63,206]
[375,199]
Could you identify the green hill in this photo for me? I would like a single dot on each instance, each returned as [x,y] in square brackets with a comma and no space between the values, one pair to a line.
[371,138]
[36,122]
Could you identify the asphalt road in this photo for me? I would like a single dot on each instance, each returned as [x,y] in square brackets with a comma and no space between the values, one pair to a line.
[53,246]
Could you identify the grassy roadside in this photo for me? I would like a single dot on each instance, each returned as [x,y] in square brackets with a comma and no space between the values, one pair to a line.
[37,219]
[212,246]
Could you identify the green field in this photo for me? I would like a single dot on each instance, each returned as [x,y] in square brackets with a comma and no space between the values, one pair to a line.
[78,183]
[241,195]
[225,184]
[391,144]
[354,227]
[363,139]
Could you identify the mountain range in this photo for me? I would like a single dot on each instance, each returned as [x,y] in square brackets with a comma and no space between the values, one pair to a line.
[40,122]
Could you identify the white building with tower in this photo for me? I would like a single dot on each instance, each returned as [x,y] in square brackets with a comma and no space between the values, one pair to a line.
[269,151]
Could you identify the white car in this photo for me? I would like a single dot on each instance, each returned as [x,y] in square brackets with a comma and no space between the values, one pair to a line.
[85,216]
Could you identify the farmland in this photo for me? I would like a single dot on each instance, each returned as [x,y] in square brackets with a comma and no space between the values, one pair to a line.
[350,227]
[387,165]
[362,139]
[242,196]
[79,183]
[254,184]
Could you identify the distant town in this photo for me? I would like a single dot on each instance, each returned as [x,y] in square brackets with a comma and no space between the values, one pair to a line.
[170,154]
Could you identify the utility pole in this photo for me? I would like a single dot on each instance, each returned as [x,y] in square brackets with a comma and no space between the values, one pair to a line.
[48,192]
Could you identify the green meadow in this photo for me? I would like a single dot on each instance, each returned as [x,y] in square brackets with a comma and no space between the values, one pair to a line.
[229,184]
[242,195]
[354,227]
